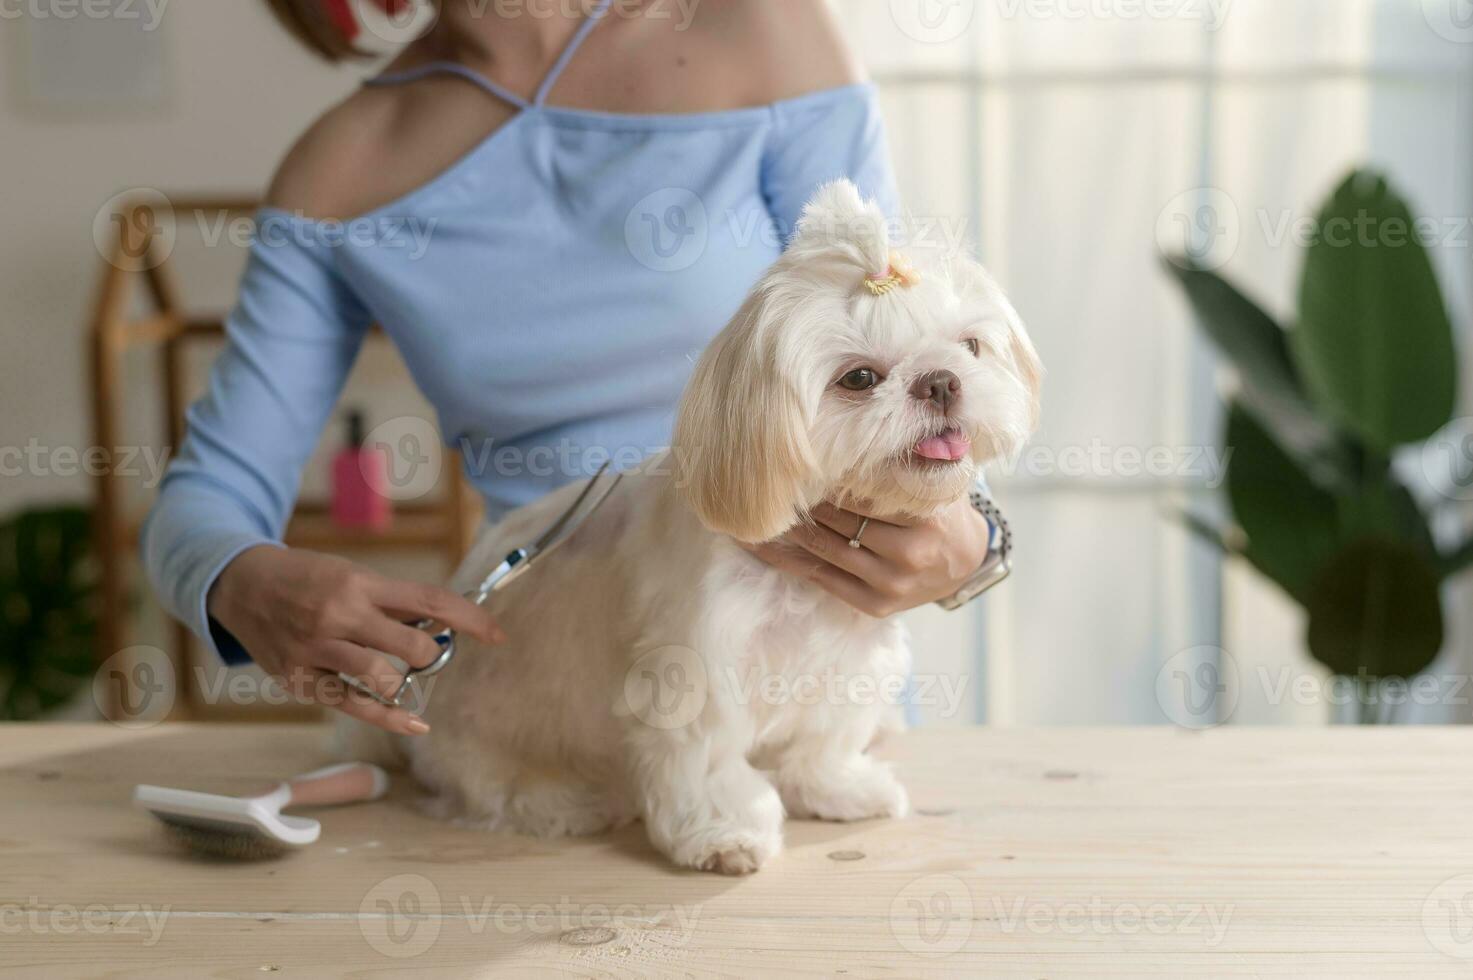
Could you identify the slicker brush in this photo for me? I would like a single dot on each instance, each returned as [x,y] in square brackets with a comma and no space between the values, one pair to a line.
[252,828]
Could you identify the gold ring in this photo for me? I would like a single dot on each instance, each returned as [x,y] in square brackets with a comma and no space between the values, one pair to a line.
[854,541]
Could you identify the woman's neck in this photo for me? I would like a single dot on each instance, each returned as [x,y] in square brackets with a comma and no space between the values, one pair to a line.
[490,32]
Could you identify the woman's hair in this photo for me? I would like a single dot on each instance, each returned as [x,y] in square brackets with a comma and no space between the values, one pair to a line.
[312,23]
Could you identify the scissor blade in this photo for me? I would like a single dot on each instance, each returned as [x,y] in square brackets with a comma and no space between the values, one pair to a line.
[589,501]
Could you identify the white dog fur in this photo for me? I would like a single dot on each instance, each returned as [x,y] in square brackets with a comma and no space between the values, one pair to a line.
[639,680]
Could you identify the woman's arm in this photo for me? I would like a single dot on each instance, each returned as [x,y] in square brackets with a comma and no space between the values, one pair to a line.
[291,341]
[212,541]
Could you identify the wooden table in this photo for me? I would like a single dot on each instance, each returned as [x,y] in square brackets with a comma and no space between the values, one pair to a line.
[1060,853]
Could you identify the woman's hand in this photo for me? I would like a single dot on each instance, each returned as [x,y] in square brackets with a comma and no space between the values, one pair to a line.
[304,617]
[897,566]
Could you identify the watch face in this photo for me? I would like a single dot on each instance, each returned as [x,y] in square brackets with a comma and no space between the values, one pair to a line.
[994,570]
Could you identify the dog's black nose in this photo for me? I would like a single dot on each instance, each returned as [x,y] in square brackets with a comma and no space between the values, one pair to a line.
[940,388]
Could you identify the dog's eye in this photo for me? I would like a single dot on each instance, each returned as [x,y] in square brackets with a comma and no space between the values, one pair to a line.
[973,345]
[860,379]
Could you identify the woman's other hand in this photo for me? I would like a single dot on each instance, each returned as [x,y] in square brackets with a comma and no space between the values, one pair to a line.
[897,566]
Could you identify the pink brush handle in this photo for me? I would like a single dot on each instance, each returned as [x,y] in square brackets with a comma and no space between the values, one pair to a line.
[351,782]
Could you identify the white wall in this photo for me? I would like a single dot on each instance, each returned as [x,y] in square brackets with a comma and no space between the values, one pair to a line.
[241,91]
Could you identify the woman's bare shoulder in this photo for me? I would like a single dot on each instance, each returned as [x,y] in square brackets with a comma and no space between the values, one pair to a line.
[790,47]
[379,144]
[317,176]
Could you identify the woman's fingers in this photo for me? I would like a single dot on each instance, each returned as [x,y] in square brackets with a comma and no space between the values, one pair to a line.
[329,690]
[414,601]
[834,581]
[825,543]
[879,536]
[860,509]
[372,670]
[358,705]
[415,647]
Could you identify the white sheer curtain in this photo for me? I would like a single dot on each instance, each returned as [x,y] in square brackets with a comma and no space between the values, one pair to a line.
[1065,137]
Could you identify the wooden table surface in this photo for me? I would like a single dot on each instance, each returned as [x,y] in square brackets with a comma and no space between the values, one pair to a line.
[1060,853]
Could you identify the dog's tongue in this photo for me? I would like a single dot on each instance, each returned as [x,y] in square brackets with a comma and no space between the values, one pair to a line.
[950,446]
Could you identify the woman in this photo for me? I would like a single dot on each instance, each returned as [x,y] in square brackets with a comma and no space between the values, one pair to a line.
[598,183]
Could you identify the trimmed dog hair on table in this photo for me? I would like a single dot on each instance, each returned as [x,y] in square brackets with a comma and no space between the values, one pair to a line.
[649,658]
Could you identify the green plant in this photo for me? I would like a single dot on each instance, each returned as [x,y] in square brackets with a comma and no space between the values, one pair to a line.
[1322,407]
[48,617]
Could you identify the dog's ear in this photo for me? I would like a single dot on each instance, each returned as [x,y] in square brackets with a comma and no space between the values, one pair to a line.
[976,284]
[742,454]
[1026,365]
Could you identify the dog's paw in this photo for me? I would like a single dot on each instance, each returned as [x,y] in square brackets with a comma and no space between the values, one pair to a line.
[870,793]
[738,854]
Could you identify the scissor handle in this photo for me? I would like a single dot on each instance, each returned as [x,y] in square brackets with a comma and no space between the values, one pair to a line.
[445,635]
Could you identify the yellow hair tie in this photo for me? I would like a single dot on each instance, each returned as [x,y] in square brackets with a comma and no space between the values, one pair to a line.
[898,275]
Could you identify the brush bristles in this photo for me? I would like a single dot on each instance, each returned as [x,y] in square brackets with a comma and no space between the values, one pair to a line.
[233,841]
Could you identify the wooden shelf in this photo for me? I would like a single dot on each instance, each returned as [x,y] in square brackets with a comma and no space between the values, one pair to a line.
[416,527]
[413,529]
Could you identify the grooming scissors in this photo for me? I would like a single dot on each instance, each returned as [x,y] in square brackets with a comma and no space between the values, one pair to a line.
[512,566]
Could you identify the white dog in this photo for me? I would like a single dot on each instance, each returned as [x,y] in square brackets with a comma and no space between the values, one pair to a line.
[638,682]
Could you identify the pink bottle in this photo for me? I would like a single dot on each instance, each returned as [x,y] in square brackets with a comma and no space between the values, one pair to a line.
[360,482]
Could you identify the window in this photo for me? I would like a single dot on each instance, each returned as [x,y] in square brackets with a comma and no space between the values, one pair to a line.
[1071,141]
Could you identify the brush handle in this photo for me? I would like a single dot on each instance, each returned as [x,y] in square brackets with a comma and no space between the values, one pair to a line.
[351,782]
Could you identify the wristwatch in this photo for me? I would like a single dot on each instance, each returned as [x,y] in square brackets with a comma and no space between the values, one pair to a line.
[999,561]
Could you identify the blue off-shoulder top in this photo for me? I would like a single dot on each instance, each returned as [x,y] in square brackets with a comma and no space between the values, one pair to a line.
[549,294]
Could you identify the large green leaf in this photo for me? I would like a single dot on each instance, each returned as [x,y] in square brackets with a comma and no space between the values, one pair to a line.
[1375,611]
[1457,560]
[1374,341]
[1382,506]
[1258,349]
[1290,520]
